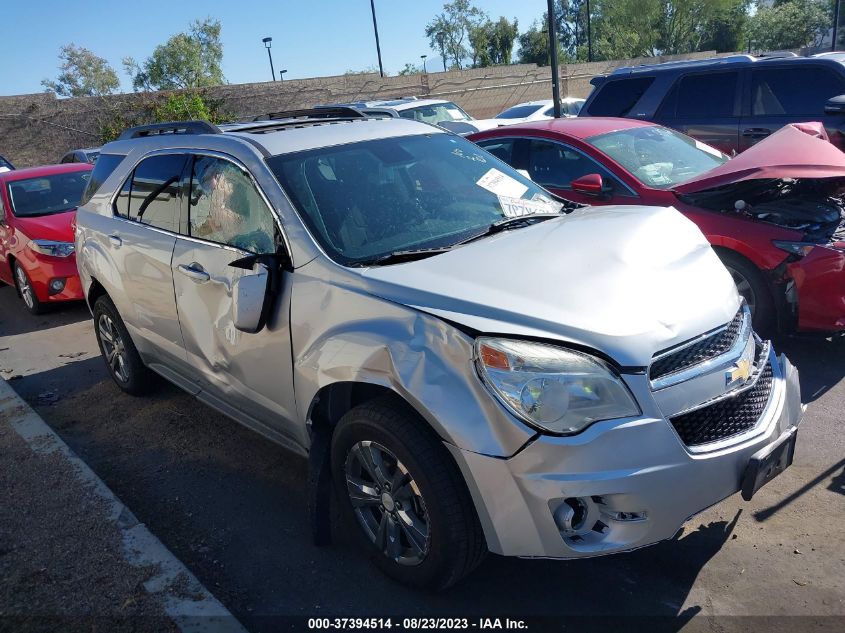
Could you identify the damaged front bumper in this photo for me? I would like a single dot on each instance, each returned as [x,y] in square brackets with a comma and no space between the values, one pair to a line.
[815,285]
[619,485]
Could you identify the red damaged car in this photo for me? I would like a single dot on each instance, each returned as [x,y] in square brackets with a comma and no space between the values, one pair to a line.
[774,214]
[37,210]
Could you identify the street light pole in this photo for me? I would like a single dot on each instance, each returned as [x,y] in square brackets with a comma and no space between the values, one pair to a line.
[422,57]
[553,54]
[282,74]
[268,42]
[378,47]
[589,35]
[835,25]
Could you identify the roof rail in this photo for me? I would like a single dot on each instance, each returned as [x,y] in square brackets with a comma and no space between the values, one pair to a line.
[320,112]
[728,59]
[777,54]
[172,127]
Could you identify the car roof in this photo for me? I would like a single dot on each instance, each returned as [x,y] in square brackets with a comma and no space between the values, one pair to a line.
[43,170]
[579,127]
[282,136]
[774,58]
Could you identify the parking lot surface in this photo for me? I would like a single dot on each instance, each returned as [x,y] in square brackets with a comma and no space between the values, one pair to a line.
[232,506]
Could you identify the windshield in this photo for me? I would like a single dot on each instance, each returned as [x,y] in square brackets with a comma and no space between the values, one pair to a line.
[572,107]
[365,200]
[436,113]
[658,157]
[47,194]
[518,112]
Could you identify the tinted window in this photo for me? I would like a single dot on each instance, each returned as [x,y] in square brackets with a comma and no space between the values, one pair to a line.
[364,200]
[518,112]
[500,148]
[793,91]
[102,170]
[707,95]
[225,207]
[618,97]
[435,113]
[48,194]
[556,165]
[151,195]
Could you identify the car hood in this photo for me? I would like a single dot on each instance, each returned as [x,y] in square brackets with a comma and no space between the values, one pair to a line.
[799,150]
[57,227]
[624,280]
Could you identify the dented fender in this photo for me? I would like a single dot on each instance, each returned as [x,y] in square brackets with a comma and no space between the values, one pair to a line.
[341,333]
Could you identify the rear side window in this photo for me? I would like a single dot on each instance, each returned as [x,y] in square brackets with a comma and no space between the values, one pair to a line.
[500,148]
[618,97]
[151,194]
[103,168]
[556,165]
[793,91]
[704,95]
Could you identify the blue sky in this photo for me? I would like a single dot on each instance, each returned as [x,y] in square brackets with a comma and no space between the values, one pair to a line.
[313,38]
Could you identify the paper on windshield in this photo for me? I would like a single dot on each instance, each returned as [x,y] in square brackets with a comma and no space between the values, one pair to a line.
[710,150]
[501,184]
[455,114]
[517,207]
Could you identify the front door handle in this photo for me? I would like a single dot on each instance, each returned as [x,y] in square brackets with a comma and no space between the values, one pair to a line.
[116,241]
[195,272]
[756,132]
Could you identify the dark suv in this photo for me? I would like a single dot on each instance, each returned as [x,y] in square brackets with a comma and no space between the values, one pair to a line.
[728,102]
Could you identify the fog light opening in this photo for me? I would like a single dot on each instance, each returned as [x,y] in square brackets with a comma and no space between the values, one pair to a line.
[571,515]
[56,286]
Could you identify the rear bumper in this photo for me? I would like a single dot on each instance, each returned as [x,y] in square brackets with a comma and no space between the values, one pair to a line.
[639,467]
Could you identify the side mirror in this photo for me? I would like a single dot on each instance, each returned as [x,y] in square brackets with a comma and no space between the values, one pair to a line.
[589,185]
[249,295]
[835,105]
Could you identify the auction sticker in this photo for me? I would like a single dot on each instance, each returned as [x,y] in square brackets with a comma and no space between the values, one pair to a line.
[501,184]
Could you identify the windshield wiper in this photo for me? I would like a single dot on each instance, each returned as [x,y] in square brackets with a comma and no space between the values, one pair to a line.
[397,257]
[509,223]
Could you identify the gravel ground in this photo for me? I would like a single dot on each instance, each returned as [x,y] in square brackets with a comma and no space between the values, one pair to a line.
[62,565]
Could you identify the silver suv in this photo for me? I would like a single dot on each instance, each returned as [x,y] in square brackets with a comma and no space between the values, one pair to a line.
[468,364]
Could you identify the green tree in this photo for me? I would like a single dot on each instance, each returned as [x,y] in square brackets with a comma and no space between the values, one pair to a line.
[83,74]
[187,60]
[534,45]
[501,40]
[448,32]
[480,35]
[790,24]
[410,69]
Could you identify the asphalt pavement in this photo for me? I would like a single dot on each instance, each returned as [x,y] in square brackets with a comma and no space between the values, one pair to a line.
[232,506]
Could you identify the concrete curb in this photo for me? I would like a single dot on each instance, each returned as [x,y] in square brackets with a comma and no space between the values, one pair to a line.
[199,613]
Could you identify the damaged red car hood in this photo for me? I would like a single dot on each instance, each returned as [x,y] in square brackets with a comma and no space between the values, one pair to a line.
[799,150]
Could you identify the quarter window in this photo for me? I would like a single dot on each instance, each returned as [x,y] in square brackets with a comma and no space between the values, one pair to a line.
[793,91]
[226,208]
[103,168]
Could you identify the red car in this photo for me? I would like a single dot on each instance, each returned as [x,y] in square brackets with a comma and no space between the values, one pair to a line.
[37,211]
[775,214]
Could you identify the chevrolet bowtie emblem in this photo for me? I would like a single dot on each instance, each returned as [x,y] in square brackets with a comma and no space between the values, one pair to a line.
[739,372]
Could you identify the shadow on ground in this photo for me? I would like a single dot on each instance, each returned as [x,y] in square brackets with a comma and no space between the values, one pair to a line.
[15,319]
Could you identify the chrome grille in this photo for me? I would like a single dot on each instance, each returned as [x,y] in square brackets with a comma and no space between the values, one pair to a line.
[728,417]
[670,362]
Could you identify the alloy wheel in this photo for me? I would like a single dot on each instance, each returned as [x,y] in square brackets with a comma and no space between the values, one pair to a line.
[387,503]
[113,347]
[25,288]
[744,288]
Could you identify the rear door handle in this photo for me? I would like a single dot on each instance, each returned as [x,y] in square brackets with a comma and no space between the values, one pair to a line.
[756,132]
[195,272]
[116,241]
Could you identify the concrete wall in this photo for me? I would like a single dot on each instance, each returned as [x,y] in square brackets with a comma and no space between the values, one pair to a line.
[37,129]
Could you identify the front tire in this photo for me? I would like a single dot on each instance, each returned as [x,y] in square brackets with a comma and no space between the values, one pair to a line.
[122,359]
[403,496]
[26,291]
[751,285]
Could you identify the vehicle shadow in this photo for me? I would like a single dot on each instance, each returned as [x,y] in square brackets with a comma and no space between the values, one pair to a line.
[819,361]
[232,506]
[48,388]
[15,319]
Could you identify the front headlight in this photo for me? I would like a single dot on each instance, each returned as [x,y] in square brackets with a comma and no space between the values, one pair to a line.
[51,248]
[551,388]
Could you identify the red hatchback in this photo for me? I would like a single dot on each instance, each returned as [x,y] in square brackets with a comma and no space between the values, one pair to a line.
[774,214]
[37,211]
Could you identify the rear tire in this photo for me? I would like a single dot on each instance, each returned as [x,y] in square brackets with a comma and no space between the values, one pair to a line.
[26,291]
[122,359]
[413,513]
[751,284]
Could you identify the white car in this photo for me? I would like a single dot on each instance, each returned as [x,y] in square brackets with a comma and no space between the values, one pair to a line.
[532,111]
[440,112]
